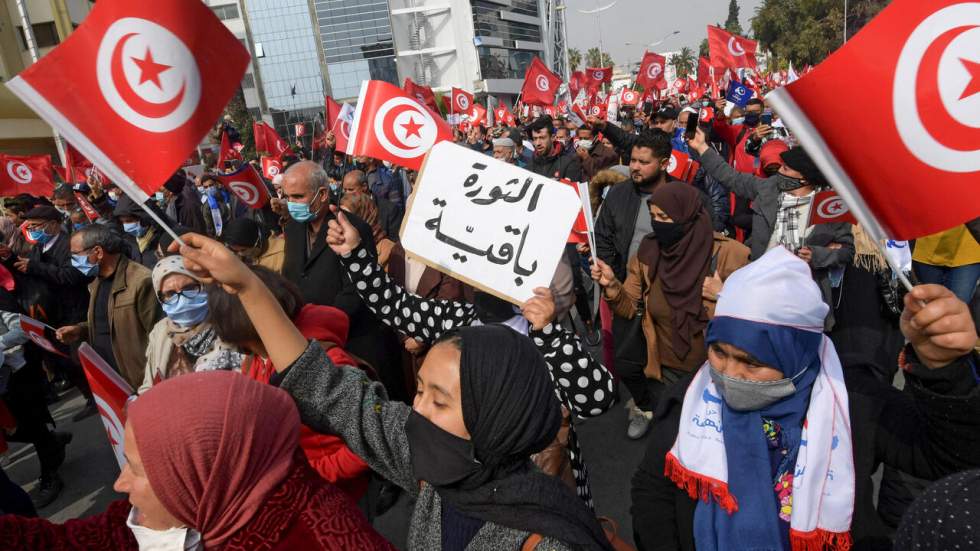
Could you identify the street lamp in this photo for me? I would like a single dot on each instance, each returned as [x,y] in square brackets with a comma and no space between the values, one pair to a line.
[598,22]
[657,43]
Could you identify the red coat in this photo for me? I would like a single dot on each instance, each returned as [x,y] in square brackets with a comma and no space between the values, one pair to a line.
[730,133]
[327,454]
[303,513]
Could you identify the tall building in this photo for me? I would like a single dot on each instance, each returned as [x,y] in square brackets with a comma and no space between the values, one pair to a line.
[51,21]
[231,14]
[357,44]
[286,47]
[481,45]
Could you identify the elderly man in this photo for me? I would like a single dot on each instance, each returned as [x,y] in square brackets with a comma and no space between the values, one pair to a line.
[123,307]
[313,266]
[389,214]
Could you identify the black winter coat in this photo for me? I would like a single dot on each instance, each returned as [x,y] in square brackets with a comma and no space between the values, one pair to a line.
[930,430]
[558,166]
[55,285]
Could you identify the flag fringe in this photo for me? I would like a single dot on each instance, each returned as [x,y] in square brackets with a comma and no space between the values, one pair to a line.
[819,540]
[698,486]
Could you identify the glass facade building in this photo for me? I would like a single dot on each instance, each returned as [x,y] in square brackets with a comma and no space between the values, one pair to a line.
[500,31]
[357,43]
[285,47]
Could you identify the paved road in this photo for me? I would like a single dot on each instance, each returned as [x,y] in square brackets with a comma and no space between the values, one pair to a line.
[90,470]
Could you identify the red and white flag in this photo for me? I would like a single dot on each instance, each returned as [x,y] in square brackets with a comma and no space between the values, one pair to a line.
[42,335]
[904,149]
[651,75]
[422,94]
[267,140]
[271,166]
[477,114]
[730,50]
[32,174]
[77,167]
[678,87]
[87,207]
[391,125]
[111,392]
[576,81]
[502,114]
[144,87]
[630,96]
[247,185]
[299,129]
[679,164]
[828,207]
[540,84]
[226,152]
[462,101]
[341,127]
[597,76]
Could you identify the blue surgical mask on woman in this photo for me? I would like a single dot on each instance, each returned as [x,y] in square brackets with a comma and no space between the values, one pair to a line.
[188,308]
[135,229]
[78,225]
[84,265]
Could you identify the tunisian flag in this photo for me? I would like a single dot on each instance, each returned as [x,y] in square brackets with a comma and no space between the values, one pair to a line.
[904,150]
[730,50]
[32,174]
[540,84]
[462,101]
[111,392]
[502,114]
[597,76]
[226,152]
[422,94]
[477,114]
[271,167]
[391,125]
[651,75]
[268,140]
[144,87]
[342,125]
[247,185]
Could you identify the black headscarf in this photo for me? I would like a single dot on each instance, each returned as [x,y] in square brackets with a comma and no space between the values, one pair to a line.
[945,516]
[511,412]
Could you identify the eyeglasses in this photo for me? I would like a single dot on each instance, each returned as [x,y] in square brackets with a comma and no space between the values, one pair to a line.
[170,297]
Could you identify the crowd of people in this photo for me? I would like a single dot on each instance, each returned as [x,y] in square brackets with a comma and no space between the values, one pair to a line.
[295,368]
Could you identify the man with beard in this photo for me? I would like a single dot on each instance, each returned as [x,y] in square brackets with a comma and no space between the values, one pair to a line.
[550,158]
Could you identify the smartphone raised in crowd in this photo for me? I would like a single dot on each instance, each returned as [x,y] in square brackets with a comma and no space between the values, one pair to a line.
[692,125]
[766,118]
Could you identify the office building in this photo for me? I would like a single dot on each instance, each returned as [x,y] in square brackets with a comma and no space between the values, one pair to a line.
[230,13]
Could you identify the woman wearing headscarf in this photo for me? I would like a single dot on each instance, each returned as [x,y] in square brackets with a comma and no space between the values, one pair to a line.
[485,404]
[770,445]
[666,283]
[362,205]
[204,471]
[183,341]
[254,245]
[582,385]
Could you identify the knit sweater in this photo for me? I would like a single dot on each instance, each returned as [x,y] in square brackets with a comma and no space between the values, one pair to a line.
[342,400]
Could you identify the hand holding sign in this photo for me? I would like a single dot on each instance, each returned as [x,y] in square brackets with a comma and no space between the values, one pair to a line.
[540,310]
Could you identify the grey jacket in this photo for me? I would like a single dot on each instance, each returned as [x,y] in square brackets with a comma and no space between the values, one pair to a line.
[765,197]
[342,401]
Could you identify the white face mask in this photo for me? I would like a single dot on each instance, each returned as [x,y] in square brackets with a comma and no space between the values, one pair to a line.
[172,539]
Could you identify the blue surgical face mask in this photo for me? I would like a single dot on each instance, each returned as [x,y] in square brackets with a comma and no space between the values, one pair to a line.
[300,212]
[77,226]
[212,191]
[189,309]
[135,229]
[202,190]
[158,196]
[737,121]
[84,265]
[39,236]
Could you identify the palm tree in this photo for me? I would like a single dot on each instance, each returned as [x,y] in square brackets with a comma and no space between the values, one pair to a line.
[684,62]
[593,59]
[574,59]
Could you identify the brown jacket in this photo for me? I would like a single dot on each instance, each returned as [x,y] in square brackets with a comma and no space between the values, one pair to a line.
[133,311]
[622,297]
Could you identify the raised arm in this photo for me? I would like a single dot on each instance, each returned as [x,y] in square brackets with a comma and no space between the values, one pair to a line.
[743,185]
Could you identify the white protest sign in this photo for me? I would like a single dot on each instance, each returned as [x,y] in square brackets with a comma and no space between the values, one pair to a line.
[491,224]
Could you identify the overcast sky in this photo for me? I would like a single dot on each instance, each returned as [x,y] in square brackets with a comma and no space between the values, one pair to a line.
[641,22]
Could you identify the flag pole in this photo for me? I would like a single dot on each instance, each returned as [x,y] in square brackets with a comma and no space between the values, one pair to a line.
[817,148]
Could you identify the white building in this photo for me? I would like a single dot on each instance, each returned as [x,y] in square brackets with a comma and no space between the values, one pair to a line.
[230,13]
[479,45]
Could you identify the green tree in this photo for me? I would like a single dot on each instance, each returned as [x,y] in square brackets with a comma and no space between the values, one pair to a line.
[574,59]
[704,50]
[242,120]
[731,24]
[684,62]
[807,32]
[592,58]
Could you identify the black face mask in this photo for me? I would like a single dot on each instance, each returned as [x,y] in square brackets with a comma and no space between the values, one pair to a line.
[751,120]
[667,234]
[490,309]
[438,457]
[785,183]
